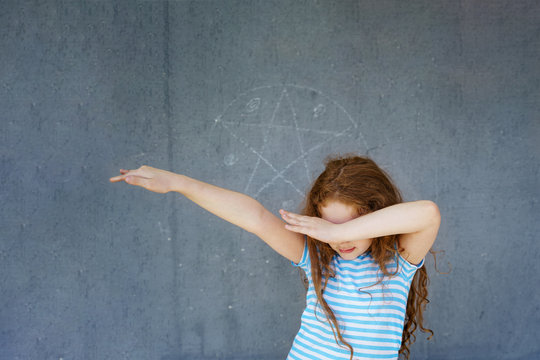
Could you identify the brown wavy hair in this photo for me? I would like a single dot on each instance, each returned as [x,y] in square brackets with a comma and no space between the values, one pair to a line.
[360,182]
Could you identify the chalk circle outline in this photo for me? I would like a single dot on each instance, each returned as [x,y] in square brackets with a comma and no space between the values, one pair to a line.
[253,104]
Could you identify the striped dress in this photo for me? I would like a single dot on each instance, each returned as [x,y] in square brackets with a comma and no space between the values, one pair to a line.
[370,317]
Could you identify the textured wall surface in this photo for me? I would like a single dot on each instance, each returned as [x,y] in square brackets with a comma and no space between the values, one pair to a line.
[253,95]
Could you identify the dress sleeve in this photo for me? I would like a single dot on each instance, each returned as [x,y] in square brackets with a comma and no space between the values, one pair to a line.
[406,268]
[304,263]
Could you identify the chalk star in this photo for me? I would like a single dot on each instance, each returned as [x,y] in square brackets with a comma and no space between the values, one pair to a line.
[284,123]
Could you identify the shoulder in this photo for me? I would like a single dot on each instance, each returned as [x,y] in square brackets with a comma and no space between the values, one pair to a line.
[305,262]
[405,267]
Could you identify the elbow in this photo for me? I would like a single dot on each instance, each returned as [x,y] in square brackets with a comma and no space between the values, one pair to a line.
[432,212]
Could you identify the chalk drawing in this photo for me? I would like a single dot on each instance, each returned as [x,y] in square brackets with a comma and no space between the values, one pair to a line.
[164,231]
[253,105]
[281,126]
[230,159]
[319,110]
[298,135]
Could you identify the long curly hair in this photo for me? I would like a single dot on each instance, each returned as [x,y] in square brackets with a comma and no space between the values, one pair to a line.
[360,182]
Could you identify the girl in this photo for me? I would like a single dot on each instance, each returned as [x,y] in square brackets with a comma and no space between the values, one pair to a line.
[361,248]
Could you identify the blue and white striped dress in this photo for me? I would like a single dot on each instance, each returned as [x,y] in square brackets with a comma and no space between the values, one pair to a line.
[370,317]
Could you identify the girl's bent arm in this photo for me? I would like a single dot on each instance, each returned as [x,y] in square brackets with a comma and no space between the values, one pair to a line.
[236,208]
[417,222]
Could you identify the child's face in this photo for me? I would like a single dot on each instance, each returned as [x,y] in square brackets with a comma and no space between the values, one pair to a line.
[338,213]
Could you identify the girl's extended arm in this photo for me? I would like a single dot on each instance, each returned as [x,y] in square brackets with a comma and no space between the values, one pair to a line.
[234,207]
[417,222]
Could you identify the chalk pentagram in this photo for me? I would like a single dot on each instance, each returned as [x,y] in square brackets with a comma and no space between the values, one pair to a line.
[280,127]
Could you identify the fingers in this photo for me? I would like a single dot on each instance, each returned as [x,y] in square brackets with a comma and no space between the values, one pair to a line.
[127,175]
[136,180]
[312,226]
[122,177]
[292,218]
[130,179]
[286,214]
[117,178]
[297,223]
[296,228]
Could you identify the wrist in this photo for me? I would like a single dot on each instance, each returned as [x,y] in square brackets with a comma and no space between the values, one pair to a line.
[177,183]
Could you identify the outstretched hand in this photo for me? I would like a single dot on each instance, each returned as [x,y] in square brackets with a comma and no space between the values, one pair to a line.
[312,226]
[150,178]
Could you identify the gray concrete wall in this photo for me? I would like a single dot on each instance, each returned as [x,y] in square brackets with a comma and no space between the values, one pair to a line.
[253,95]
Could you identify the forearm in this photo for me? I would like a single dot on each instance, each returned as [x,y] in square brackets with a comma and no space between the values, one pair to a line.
[404,218]
[234,207]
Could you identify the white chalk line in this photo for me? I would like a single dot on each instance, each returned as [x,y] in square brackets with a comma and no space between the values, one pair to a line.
[353,123]
[302,152]
[294,86]
[259,156]
[279,174]
[263,147]
[283,127]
